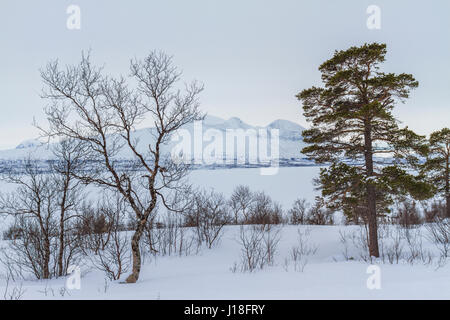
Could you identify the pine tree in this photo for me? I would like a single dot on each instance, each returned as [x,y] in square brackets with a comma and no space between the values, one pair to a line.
[437,163]
[352,119]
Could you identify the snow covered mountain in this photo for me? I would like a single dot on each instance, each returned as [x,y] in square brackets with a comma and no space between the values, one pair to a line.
[29,144]
[290,140]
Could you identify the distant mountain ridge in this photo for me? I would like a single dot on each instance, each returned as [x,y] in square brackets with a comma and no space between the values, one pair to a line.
[290,140]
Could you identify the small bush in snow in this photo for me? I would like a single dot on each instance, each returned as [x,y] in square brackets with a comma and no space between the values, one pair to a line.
[407,214]
[108,249]
[303,213]
[169,237]
[318,214]
[209,213]
[397,245]
[240,203]
[439,234]
[249,207]
[264,210]
[434,209]
[300,253]
[259,245]
[298,213]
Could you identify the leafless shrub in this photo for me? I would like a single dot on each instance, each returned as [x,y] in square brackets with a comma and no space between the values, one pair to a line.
[34,253]
[439,234]
[318,214]
[252,249]
[397,245]
[209,213]
[300,253]
[31,253]
[263,210]
[94,228]
[344,239]
[240,203]
[63,291]
[407,214]
[414,244]
[391,244]
[258,247]
[114,259]
[13,271]
[13,293]
[298,213]
[403,244]
[105,285]
[271,239]
[107,248]
[433,210]
[235,267]
[13,232]
[43,207]
[360,241]
[169,237]
[47,290]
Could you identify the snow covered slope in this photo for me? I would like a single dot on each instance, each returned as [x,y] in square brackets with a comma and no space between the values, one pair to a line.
[290,140]
[208,275]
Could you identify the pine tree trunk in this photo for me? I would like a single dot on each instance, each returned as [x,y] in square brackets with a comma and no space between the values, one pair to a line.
[372,219]
[371,194]
[448,205]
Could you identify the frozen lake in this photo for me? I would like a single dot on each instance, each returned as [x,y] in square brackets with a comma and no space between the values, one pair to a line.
[285,187]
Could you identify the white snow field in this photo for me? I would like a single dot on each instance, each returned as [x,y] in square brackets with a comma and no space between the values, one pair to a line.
[208,275]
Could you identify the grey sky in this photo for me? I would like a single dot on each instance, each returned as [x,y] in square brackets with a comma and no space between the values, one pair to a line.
[253,56]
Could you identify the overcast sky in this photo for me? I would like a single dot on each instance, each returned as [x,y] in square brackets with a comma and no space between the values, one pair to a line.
[253,56]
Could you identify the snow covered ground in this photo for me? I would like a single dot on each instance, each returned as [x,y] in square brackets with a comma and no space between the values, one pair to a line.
[208,275]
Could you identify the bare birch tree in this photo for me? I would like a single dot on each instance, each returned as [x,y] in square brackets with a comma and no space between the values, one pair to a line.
[69,155]
[103,113]
[42,206]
